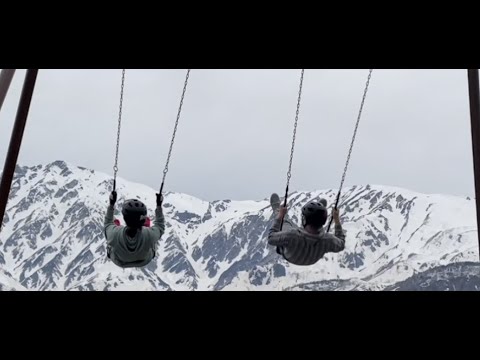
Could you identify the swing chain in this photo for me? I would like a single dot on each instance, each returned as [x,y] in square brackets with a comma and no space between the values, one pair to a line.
[351,145]
[115,166]
[289,173]
[355,130]
[165,170]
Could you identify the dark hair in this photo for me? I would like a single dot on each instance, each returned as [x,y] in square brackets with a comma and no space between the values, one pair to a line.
[134,213]
[134,221]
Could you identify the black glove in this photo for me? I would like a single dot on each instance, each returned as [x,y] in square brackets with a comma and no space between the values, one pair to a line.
[159,199]
[113,198]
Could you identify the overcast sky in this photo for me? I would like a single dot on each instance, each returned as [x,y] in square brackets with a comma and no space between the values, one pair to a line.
[234,136]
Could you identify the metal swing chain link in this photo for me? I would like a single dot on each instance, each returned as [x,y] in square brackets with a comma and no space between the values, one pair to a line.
[165,170]
[115,166]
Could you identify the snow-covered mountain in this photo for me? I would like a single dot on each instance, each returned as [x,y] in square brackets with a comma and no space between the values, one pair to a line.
[53,238]
[462,276]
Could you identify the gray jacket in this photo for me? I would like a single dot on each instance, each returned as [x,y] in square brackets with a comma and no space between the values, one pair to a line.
[302,248]
[138,251]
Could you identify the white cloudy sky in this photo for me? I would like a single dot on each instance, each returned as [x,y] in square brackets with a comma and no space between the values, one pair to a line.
[235,133]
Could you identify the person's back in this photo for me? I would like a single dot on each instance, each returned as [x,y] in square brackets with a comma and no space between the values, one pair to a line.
[133,245]
[307,245]
[303,248]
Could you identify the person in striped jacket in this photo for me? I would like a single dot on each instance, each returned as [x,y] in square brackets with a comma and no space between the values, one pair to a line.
[306,245]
